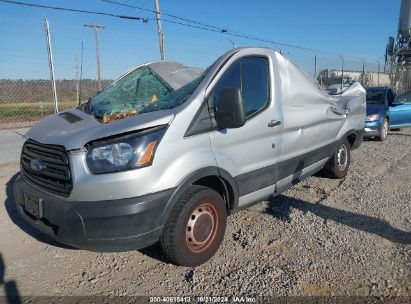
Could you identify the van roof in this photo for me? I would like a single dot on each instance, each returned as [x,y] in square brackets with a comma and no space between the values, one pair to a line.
[175,74]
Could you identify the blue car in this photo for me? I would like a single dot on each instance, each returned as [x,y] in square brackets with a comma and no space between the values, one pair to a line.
[386,111]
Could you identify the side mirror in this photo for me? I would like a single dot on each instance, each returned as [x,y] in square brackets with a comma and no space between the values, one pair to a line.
[230,112]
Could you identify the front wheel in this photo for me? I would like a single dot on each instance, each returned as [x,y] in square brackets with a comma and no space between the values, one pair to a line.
[383,130]
[337,166]
[195,228]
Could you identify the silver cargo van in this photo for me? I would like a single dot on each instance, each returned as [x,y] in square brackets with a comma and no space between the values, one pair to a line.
[140,163]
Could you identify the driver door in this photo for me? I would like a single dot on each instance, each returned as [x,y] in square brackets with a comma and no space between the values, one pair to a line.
[249,153]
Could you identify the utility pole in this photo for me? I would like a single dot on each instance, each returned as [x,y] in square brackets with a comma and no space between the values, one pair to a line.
[363,72]
[81,70]
[159,30]
[77,80]
[51,65]
[379,68]
[342,70]
[96,27]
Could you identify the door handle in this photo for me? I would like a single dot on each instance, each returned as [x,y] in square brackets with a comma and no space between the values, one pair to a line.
[274,123]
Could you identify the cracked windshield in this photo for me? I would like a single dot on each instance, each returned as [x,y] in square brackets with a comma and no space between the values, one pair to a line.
[138,92]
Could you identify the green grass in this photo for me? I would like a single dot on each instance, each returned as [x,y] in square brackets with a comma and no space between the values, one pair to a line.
[30,111]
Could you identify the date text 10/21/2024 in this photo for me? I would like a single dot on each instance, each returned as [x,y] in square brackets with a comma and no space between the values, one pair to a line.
[203,299]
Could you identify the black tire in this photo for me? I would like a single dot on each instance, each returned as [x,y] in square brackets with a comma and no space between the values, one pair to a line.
[195,228]
[384,130]
[339,163]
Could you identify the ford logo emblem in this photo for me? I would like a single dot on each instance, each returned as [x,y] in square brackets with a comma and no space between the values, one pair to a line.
[37,165]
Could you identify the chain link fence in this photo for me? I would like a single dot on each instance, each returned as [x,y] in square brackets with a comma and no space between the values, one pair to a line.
[400,76]
[25,86]
[22,102]
[26,90]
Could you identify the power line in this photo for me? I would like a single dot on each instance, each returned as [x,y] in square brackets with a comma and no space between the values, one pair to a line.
[217,29]
[212,28]
[165,14]
[188,25]
[194,23]
[239,35]
[119,10]
[72,10]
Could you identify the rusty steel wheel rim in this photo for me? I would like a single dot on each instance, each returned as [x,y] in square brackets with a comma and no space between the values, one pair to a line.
[201,228]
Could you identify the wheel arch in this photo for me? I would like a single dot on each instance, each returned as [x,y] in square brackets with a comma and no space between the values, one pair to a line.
[212,177]
[351,136]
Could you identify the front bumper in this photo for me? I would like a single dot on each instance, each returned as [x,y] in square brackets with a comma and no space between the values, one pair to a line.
[111,225]
[372,128]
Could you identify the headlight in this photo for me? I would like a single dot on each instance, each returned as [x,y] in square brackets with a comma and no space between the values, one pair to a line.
[123,153]
[373,117]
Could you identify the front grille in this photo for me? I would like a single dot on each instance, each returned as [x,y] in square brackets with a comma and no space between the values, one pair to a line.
[55,177]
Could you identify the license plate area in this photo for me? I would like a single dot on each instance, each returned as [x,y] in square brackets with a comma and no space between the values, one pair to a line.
[32,205]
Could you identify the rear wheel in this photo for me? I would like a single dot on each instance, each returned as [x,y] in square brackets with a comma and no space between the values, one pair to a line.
[383,130]
[337,166]
[195,228]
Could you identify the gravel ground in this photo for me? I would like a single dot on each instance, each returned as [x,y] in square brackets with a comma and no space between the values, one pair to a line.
[322,237]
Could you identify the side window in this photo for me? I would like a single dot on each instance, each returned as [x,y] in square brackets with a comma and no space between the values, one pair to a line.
[250,74]
[254,79]
[230,79]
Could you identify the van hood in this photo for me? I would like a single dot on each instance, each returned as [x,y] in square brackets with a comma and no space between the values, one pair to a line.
[375,109]
[73,129]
